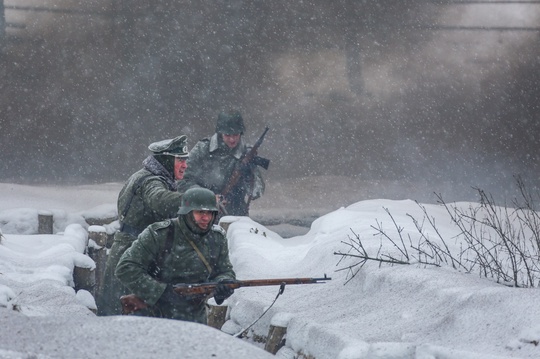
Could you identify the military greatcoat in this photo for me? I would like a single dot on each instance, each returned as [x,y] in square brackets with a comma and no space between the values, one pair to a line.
[182,265]
[211,164]
[148,196]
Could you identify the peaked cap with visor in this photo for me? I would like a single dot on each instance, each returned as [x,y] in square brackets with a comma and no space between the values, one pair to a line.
[176,147]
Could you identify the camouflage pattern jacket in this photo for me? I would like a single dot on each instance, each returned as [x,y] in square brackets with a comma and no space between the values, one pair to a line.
[152,197]
[149,196]
[211,164]
[182,265]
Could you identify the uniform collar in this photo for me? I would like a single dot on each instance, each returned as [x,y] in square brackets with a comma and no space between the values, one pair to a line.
[152,165]
[215,145]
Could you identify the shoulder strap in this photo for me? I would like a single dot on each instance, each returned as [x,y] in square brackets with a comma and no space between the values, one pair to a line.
[201,256]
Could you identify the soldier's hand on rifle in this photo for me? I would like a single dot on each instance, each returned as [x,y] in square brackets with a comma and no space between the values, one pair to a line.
[222,291]
[257,193]
[221,203]
[221,200]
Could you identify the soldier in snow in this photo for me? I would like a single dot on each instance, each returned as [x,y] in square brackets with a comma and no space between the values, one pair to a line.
[150,195]
[213,160]
[185,250]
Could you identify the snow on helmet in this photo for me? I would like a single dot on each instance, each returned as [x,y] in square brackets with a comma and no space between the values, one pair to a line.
[230,123]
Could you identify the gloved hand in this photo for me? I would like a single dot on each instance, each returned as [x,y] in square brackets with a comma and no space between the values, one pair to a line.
[222,291]
[169,296]
[258,190]
[257,193]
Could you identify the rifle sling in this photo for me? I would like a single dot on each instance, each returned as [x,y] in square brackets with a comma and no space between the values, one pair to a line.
[201,256]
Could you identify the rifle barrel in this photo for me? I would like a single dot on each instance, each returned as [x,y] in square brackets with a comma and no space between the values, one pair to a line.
[208,288]
[259,141]
[279,281]
[131,303]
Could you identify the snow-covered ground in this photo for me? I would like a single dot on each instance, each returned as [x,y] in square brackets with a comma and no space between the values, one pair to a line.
[402,311]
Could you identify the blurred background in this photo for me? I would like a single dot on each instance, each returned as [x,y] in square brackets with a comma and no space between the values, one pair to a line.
[414,94]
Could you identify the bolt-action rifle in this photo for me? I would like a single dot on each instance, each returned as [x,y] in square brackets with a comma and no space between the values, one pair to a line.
[131,303]
[249,158]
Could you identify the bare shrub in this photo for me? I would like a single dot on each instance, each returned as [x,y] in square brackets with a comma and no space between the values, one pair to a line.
[497,242]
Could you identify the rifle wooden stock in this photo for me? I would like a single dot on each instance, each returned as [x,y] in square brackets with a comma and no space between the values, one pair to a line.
[207,289]
[245,161]
[131,303]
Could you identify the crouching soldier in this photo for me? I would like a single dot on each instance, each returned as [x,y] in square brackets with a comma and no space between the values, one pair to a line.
[188,249]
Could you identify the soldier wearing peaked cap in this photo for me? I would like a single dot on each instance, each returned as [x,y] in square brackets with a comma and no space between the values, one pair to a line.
[149,195]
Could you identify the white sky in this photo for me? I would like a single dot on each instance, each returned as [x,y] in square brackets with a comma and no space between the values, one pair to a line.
[384,312]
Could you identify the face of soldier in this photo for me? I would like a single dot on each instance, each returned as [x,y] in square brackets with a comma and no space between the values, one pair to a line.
[231,140]
[180,165]
[203,219]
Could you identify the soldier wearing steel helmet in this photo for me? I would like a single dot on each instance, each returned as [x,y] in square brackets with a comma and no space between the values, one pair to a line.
[185,250]
[149,195]
[213,160]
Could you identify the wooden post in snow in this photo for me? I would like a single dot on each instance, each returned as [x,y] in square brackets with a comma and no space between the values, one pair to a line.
[217,315]
[98,252]
[45,222]
[275,339]
[84,278]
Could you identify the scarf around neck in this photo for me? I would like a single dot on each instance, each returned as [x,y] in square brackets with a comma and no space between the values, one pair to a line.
[153,166]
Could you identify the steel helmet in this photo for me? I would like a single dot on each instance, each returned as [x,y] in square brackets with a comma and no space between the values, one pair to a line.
[230,123]
[200,199]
